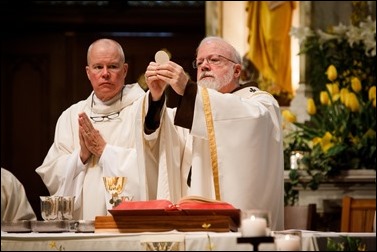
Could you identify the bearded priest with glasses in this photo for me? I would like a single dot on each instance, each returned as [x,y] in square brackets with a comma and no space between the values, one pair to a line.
[218,138]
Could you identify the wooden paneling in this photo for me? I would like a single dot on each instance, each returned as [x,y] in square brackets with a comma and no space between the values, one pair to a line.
[358,214]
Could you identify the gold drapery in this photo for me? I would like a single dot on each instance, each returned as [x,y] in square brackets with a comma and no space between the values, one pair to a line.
[269,23]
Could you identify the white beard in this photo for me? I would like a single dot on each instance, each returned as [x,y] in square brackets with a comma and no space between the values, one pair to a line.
[216,83]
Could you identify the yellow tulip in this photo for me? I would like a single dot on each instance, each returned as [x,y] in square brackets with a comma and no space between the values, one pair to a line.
[316,140]
[331,73]
[343,95]
[289,116]
[333,88]
[355,84]
[352,102]
[335,97]
[326,143]
[326,146]
[372,93]
[310,107]
[324,98]
[327,136]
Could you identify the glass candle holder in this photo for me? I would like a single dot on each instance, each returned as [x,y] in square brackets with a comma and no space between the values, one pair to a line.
[49,207]
[288,240]
[66,207]
[255,222]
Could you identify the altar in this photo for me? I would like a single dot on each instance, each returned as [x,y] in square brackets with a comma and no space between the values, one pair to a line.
[149,241]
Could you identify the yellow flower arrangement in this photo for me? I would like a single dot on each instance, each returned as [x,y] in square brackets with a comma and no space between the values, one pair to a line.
[341,131]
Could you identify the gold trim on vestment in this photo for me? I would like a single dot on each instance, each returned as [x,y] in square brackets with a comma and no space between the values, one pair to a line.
[212,141]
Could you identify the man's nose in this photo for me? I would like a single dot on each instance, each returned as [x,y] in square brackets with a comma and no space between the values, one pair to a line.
[205,65]
[105,72]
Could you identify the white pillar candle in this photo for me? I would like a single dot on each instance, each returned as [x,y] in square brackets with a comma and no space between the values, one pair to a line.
[288,243]
[253,226]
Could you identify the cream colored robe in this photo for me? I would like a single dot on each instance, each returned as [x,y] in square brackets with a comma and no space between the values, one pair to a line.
[63,172]
[15,205]
[249,141]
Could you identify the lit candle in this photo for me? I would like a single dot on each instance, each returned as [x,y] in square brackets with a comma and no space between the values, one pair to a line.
[254,226]
[288,243]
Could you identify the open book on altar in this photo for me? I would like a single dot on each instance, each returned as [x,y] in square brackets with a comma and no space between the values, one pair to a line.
[189,206]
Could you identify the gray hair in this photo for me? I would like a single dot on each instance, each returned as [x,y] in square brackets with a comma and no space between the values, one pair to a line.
[233,52]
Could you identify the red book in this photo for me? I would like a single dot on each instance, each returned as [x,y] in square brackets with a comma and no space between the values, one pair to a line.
[189,206]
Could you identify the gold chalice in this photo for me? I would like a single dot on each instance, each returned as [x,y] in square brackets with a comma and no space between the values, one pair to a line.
[115,186]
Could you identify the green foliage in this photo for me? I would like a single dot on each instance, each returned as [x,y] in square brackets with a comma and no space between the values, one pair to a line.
[346,243]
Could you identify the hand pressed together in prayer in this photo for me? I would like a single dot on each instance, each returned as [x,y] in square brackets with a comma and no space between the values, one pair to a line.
[91,141]
[104,138]
[158,76]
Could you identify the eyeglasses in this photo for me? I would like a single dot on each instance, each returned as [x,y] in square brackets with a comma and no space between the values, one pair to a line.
[213,60]
[108,117]
[97,69]
[105,117]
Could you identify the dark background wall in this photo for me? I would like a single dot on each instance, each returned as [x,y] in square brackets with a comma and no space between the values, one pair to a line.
[43,57]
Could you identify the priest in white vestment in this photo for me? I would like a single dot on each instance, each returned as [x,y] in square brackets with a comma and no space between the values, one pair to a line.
[98,137]
[216,138]
[15,205]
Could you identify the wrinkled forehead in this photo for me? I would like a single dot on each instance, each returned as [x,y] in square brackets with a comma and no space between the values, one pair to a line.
[211,48]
